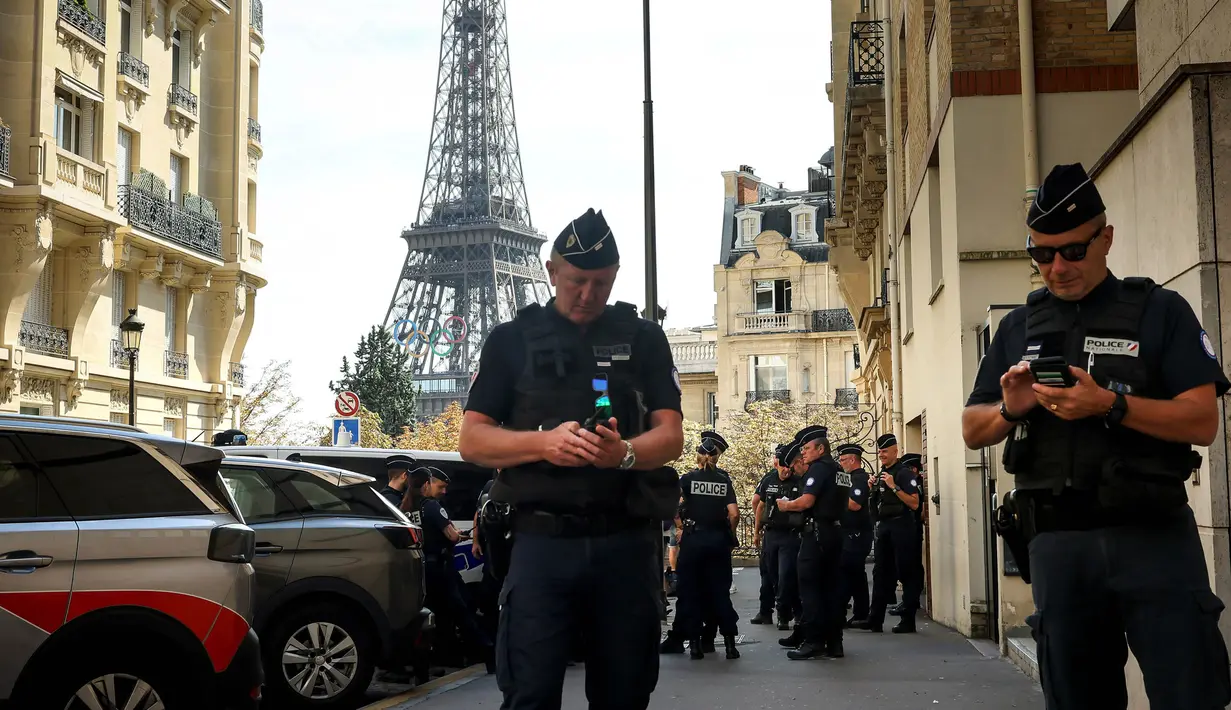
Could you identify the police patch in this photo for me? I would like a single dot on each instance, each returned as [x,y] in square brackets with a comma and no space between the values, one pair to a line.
[843,478]
[809,482]
[444,513]
[913,482]
[1207,345]
[675,377]
[856,492]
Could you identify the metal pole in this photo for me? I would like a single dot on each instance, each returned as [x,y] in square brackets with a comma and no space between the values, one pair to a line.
[132,388]
[651,258]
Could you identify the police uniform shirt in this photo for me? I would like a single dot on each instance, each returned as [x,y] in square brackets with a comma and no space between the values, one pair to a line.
[435,520]
[504,358]
[862,518]
[693,486]
[1172,343]
[392,495]
[821,478]
[906,479]
[772,488]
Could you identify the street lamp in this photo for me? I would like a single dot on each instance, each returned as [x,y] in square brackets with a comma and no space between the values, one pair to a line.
[130,339]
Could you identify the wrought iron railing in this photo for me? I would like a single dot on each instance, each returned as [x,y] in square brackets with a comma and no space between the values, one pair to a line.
[867,53]
[134,68]
[45,339]
[856,353]
[76,14]
[846,398]
[254,130]
[746,534]
[180,96]
[159,215]
[237,373]
[175,364]
[256,16]
[766,396]
[832,320]
[6,140]
[119,358]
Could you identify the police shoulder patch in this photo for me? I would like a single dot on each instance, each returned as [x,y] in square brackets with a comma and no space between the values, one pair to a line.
[1207,345]
[856,492]
[810,481]
[914,482]
[675,377]
[444,513]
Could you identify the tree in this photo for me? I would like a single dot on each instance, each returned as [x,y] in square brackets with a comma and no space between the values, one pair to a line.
[382,377]
[269,410]
[371,432]
[440,433]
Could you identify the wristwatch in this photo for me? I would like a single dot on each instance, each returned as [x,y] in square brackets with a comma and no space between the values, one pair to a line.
[630,457]
[1004,412]
[1115,415]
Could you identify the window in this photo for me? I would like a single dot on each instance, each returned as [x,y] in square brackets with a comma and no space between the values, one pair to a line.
[123,157]
[176,61]
[850,368]
[171,427]
[69,111]
[807,380]
[257,499]
[30,410]
[171,315]
[711,408]
[107,478]
[177,167]
[773,296]
[23,493]
[119,418]
[747,230]
[126,24]
[117,302]
[767,373]
[803,223]
[367,465]
[38,307]
[320,496]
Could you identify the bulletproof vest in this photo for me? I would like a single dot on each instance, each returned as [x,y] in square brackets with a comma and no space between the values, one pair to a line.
[861,518]
[434,541]
[890,505]
[777,488]
[1103,337]
[830,504]
[555,386]
[705,493]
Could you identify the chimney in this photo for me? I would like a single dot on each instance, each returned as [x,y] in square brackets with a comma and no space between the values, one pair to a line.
[746,186]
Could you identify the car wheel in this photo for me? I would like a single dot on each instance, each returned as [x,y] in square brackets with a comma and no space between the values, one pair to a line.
[319,656]
[132,684]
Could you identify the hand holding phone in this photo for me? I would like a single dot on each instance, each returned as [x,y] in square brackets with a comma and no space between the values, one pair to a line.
[1052,372]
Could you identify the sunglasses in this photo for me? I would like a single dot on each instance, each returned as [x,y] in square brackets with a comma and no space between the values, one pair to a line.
[1075,251]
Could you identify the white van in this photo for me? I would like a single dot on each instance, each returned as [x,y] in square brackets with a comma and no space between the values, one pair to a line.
[466,482]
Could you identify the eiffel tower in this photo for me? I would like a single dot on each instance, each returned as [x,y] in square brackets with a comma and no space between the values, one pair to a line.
[473,256]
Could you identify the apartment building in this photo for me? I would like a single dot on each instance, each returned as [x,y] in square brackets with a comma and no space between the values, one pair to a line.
[945,120]
[695,354]
[129,145]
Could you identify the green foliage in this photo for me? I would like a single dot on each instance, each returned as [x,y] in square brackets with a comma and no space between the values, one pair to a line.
[147,181]
[269,411]
[382,377]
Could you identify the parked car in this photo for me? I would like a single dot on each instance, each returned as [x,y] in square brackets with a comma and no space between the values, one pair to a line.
[461,501]
[124,572]
[339,580]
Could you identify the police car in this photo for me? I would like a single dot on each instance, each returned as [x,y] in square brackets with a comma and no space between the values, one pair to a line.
[466,482]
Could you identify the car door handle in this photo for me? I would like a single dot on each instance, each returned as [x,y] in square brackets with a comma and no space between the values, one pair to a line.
[264,548]
[23,562]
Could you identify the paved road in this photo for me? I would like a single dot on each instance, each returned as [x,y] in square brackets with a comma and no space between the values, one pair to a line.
[936,668]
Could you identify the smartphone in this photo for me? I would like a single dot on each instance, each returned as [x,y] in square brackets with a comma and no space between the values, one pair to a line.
[1052,372]
[602,405]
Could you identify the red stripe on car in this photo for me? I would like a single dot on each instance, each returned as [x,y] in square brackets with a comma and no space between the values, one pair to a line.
[224,639]
[42,609]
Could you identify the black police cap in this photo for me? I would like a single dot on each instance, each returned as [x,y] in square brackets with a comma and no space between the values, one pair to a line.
[779,450]
[420,475]
[915,460]
[810,433]
[716,438]
[400,462]
[1066,200]
[708,447]
[884,441]
[230,437]
[855,449]
[791,453]
[587,242]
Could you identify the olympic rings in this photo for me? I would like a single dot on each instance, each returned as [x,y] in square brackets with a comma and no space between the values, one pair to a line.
[440,337]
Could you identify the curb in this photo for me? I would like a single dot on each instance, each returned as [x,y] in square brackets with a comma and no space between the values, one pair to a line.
[435,687]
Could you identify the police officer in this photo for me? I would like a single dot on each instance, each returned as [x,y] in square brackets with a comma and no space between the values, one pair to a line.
[397,467]
[588,496]
[825,493]
[856,534]
[780,553]
[230,437]
[1106,384]
[710,513]
[765,613]
[896,541]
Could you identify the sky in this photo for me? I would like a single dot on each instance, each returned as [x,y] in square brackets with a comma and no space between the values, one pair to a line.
[346,103]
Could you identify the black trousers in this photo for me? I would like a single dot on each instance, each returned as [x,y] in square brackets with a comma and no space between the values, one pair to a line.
[856,544]
[1101,592]
[820,559]
[898,553]
[604,587]
[447,599]
[703,591]
[779,573]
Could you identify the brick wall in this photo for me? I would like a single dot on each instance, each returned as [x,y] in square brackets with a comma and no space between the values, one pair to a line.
[1074,33]
[919,125]
[984,34]
[746,194]
[942,41]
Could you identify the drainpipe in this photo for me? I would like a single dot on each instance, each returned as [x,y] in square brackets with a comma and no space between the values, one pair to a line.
[1030,121]
[891,228]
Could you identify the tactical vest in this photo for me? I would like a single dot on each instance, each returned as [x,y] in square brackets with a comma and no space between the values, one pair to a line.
[830,504]
[1051,453]
[555,386]
[890,505]
[790,488]
[705,492]
[862,518]
[435,543]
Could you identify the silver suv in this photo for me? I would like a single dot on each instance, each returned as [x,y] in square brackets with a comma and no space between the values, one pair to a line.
[124,572]
[339,575]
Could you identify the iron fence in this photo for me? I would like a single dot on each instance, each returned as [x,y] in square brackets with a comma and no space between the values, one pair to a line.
[237,373]
[256,16]
[76,14]
[767,395]
[832,320]
[45,339]
[134,68]
[867,53]
[254,130]
[179,95]
[162,217]
[176,364]
[6,140]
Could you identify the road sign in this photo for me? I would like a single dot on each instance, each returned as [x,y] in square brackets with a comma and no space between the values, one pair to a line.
[346,404]
[346,431]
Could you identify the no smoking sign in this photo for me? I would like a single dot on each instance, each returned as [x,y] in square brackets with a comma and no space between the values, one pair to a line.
[346,404]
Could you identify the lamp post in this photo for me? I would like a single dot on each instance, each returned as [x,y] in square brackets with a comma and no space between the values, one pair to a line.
[652,310]
[130,338]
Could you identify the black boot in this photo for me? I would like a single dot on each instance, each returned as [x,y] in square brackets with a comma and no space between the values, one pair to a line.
[764,617]
[672,644]
[696,650]
[732,651]
[806,651]
[833,649]
[784,623]
[867,625]
[707,644]
[905,626]
[895,610]
[793,641]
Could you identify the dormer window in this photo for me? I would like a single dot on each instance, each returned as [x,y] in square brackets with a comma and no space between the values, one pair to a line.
[749,222]
[803,223]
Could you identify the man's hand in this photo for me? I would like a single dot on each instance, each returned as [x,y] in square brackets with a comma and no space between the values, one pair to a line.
[756,539]
[477,548]
[566,447]
[887,479]
[1015,389]
[605,448]
[1084,399]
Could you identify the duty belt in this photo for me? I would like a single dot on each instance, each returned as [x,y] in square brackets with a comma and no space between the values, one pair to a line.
[540,522]
[820,524]
[693,525]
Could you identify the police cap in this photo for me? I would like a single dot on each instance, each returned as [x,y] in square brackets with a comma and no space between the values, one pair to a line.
[716,438]
[420,475]
[587,242]
[845,449]
[400,462]
[230,437]
[1066,200]
[780,451]
[884,441]
[915,460]
[791,453]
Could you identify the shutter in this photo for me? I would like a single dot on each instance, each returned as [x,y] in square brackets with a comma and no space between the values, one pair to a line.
[138,22]
[87,129]
[123,156]
[175,179]
[170,427]
[38,308]
[171,318]
[117,302]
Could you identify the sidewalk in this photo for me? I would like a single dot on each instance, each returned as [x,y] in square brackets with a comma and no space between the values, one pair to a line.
[935,668]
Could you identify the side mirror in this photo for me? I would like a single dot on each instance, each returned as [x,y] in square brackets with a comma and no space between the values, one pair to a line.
[234,543]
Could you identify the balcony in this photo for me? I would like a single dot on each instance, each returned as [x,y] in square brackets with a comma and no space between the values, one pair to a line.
[72,169]
[751,398]
[256,16]
[119,358]
[45,339]
[862,170]
[180,98]
[446,387]
[6,152]
[846,399]
[254,130]
[158,215]
[134,69]
[695,358]
[75,14]
[795,322]
[237,373]
[175,364]
[867,54]
[832,320]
